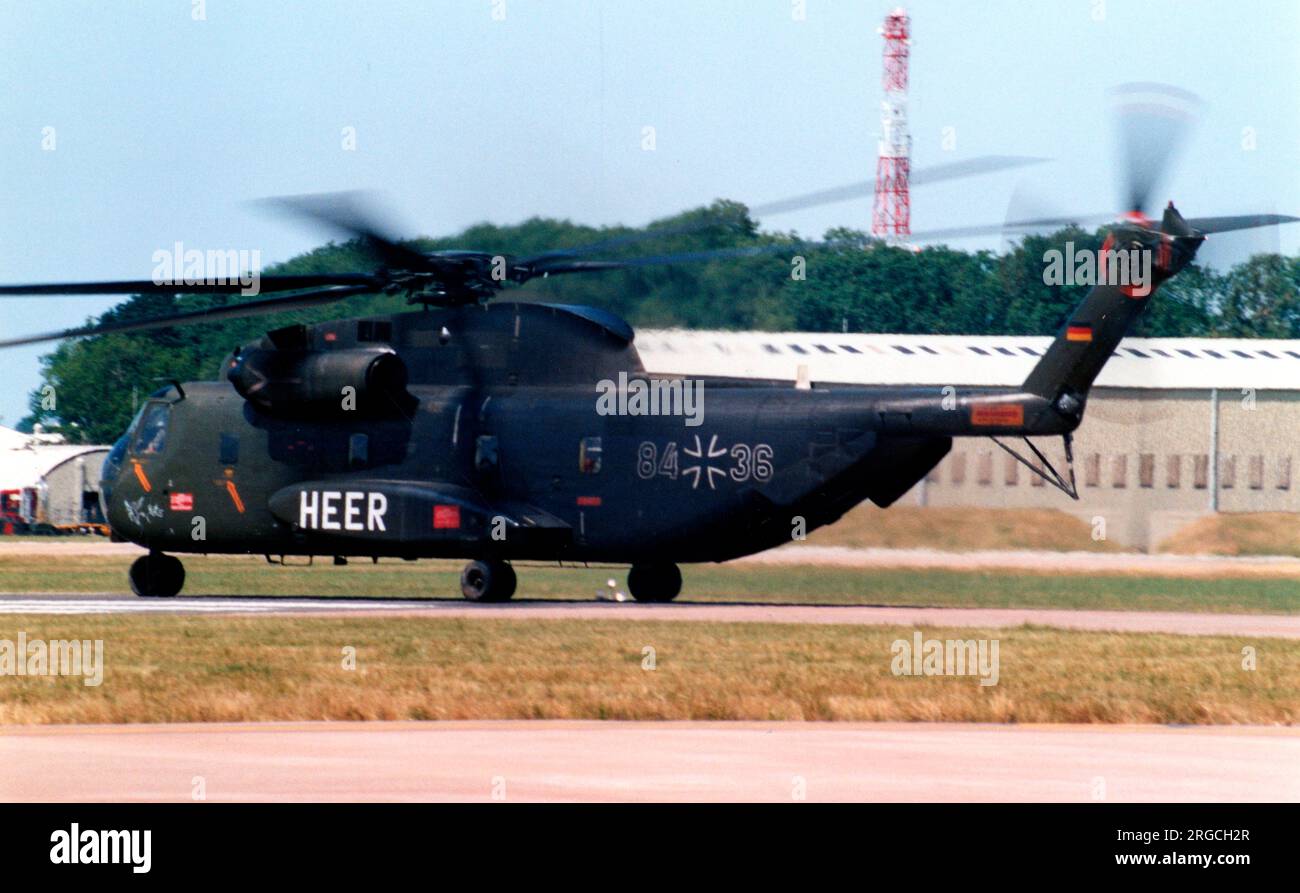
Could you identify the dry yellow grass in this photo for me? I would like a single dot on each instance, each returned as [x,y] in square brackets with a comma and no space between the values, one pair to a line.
[184,669]
[960,530]
[1259,533]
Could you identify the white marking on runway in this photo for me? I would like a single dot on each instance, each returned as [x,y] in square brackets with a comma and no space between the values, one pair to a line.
[64,605]
[1286,626]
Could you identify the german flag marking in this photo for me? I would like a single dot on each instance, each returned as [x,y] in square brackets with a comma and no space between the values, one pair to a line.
[1078,333]
[1000,415]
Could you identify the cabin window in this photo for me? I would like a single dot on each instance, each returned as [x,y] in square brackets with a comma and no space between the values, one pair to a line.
[589,455]
[359,450]
[151,432]
[229,451]
[486,452]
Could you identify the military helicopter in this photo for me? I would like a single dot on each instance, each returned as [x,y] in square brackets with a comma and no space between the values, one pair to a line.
[503,432]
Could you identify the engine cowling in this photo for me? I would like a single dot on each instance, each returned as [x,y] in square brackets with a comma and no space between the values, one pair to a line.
[321,383]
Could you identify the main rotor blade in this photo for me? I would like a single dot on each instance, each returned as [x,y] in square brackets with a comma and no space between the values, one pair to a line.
[149,287]
[920,177]
[352,214]
[1209,225]
[863,188]
[278,304]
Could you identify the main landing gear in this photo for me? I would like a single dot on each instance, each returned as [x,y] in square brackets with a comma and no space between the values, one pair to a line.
[654,582]
[488,581]
[157,576]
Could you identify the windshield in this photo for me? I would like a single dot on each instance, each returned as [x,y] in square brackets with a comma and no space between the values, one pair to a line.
[151,430]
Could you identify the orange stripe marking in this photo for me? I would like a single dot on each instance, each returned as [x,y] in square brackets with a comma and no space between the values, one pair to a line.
[234,496]
[140,476]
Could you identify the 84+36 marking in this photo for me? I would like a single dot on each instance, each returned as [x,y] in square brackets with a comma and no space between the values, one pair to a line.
[741,463]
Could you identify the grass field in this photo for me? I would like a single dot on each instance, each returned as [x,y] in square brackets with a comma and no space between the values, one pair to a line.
[179,669]
[774,584]
[1260,533]
[960,530]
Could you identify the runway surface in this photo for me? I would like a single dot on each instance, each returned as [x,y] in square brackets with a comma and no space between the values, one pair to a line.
[1253,625]
[618,761]
[1132,563]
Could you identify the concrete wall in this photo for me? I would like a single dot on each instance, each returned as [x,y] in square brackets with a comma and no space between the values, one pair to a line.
[1145,462]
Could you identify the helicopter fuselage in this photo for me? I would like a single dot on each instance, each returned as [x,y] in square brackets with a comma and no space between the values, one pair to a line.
[503,445]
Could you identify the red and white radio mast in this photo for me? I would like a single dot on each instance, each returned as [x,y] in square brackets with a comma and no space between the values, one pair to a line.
[891,216]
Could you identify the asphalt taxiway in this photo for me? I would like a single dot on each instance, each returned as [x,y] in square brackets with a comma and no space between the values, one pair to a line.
[1178,623]
[631,761]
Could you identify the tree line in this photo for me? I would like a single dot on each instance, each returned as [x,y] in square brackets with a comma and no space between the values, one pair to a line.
[845,282]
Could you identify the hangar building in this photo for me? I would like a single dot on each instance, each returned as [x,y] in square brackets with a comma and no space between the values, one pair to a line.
[45,481]
[1175,428]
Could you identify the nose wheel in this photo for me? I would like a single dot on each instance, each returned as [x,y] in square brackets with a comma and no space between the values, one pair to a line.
[654,582]
[157,576]
[488,581]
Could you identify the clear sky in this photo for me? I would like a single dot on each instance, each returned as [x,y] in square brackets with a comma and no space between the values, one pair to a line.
[165,126]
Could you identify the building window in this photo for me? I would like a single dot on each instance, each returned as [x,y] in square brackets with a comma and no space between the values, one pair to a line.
[1012,476]
[1173,472]
[1284,473]
[932,476]
[984,472]
[1257,472]
[1200,471]
[959,468]
[1228,473]
[1147,470]
[1036,480]
[1119,472]
[1092,470]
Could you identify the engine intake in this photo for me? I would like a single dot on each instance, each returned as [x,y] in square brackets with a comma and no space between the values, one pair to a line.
[330,383]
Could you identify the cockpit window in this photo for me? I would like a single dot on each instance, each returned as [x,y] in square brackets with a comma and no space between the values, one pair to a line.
[151,432]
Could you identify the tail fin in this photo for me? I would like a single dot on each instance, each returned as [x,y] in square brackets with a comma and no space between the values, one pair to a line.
[1134,260]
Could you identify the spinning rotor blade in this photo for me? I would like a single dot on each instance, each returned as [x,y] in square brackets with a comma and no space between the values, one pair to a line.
[350,213]
[277,304]
[1153,121]
[1210,225]
[971,167]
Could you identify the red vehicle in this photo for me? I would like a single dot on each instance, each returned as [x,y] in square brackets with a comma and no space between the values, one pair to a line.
[17,510]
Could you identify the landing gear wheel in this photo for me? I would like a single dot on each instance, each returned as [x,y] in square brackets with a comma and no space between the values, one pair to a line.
[488,581]
[157,576]
[654,582]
